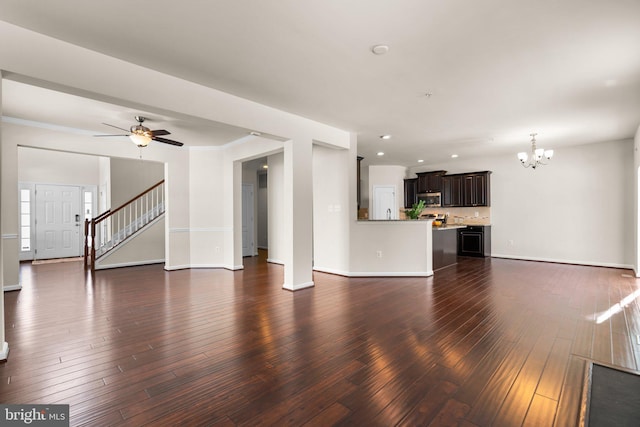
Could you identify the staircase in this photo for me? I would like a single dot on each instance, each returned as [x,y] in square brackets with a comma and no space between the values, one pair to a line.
[112,228]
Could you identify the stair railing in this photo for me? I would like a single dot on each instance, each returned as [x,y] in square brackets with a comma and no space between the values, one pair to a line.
[111,228]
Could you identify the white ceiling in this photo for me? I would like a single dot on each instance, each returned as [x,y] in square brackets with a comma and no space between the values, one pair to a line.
[60,111]
[497,70]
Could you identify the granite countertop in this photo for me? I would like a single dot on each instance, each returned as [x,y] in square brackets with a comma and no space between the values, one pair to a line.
[452,226]
[448,227]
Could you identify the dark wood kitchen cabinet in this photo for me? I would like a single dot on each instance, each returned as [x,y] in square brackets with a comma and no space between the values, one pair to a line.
[452,190]
[445,246]
[466,189]
[475,189]
[458,190]
[410,192]
[430,182]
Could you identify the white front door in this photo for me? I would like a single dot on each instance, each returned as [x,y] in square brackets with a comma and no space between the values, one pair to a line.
[58,221]
[384,202]
[247,220]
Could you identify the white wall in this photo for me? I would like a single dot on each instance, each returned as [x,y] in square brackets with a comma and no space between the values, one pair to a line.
[104,186]
[10,220]
[578,209]
[275,190]
[387,175]
[56,167]
[331,206]
[141,248]
[13,246]
[206,216]
[130,177]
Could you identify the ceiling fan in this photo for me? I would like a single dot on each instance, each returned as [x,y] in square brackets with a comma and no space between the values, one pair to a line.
[142,135]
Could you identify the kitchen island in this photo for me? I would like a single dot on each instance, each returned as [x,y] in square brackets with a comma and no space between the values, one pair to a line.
[388,248]
[445,245]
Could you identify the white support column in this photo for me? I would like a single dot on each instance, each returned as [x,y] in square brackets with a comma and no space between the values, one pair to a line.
[298,210]
[232,202]
[4,347]
[237,211]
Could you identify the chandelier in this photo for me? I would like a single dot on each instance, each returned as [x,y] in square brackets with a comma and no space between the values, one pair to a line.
[538,155]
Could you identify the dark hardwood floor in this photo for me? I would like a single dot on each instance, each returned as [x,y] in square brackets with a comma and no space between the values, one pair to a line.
[488,342]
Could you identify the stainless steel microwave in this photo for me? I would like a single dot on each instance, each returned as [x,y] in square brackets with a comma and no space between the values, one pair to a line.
[431,200]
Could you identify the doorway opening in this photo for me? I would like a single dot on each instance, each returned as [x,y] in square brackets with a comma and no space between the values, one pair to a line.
[255,207]
[384,202]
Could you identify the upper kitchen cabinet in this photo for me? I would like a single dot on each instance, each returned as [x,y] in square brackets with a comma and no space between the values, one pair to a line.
[410,192]
[452,190]
[430,182]
[466,189]
[476,189]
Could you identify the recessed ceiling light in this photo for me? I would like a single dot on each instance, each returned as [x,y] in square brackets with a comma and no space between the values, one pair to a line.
[254,133]
[380,153]
[380,49]
[385,136]
[420,161]
[453,156]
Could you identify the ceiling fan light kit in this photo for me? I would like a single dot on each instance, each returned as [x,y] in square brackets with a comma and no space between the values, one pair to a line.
[142,135]
[140,139]
[538,155]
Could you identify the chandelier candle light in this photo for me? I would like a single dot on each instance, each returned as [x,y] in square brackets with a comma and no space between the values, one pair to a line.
[537,155]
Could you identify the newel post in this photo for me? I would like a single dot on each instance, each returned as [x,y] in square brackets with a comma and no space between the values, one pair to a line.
[86,242]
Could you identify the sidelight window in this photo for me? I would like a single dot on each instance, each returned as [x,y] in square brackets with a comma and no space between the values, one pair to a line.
[25,220]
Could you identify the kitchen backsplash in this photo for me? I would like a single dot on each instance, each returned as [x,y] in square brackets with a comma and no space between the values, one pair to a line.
[480,215]
[456,215]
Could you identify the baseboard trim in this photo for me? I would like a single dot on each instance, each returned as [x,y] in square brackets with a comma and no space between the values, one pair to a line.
[374,273]
[275,261]
[298,287]
[391,273]
[176,267]
[10,288]
[4,354]
[564,261]
[331,271]
[188,266]
[128,264]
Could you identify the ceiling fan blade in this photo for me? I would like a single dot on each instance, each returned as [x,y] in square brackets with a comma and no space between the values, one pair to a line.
[112,135]
[160,132]
[168,141]
[107,124]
